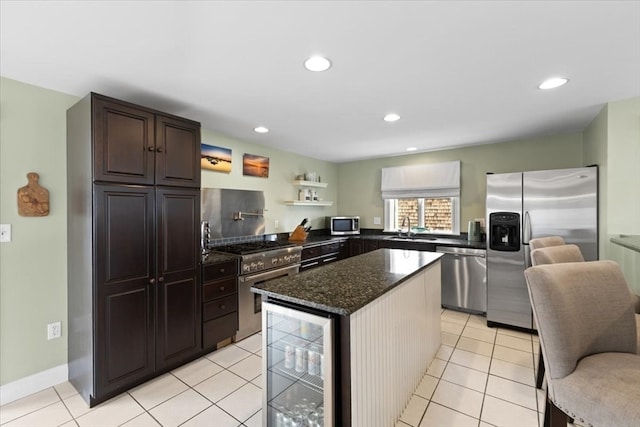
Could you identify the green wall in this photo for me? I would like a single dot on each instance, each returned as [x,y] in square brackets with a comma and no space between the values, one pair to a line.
[278,188]
[613,140]
[359,192]
[33,266]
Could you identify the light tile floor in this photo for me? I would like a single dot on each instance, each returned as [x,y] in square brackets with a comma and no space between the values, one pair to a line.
[480,377]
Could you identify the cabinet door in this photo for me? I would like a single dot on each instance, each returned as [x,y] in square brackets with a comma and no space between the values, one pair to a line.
[124,240]
[179,316]
[344,250]
[369,245]
[124,144]
[177,152]
[355,247]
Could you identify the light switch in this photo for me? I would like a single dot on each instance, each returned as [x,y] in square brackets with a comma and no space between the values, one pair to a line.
[5,233]
[376,220]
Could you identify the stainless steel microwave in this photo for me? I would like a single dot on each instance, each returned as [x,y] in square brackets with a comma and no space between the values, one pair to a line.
[343,225]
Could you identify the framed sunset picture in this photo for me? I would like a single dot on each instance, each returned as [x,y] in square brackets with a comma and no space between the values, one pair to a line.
[215,158]
[253,165]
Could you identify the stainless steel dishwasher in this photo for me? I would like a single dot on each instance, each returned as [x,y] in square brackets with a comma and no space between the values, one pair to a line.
[464,279]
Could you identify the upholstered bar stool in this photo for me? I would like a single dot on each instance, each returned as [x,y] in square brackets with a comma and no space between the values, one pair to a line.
[552,250]
[587,331]
[545,242]
[556,255]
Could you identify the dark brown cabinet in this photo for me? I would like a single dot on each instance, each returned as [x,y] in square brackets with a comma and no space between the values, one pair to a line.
[369,245]
[135,145]
[355,247]
[124,296]
[219,302]
[321,254]
[178,314]
[134,300]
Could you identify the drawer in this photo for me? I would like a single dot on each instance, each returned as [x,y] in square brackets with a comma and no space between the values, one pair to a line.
[220,270]
[219,289]
[312,252]
[331,248]
[219,329]
[219,307]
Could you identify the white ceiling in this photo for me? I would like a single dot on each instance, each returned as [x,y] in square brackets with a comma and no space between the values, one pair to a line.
[458,72]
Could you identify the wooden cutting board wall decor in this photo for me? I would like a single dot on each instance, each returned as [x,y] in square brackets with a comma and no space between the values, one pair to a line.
[33,199]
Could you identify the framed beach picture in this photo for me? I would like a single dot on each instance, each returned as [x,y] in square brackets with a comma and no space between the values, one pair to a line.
[215,158]
[253,165]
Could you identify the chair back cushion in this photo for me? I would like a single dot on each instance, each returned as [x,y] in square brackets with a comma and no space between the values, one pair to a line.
[581,308]
[545,242]
[556,254]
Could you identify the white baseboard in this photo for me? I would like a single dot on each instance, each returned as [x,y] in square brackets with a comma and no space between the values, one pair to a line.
[33,383]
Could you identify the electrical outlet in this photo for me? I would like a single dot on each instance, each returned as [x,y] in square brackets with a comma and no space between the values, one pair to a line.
[376,220]
[5,233]
[53,330]
[276,224]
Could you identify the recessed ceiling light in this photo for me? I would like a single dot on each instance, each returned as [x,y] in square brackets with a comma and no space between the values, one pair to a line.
[317,63]
[391,117]
[261,129]
[553,83]
[412,148]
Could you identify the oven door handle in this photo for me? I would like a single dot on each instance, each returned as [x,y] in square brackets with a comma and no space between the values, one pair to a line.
[270,274]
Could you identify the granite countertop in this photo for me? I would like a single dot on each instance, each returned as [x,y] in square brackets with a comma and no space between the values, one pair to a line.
[319,240]
[628,241]
[345,286]
[437,241]
[214,257]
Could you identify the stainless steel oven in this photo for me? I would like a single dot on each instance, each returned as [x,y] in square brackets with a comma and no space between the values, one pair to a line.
[250,304]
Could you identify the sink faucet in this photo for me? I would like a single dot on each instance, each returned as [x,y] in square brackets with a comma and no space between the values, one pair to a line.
[407,221]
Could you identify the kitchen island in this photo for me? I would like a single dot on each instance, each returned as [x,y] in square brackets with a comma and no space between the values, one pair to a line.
[385,307]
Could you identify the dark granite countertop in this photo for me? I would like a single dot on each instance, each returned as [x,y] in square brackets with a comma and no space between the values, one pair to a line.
[438,241]
[213,257]
[629,241]
[319,240]
[345,286]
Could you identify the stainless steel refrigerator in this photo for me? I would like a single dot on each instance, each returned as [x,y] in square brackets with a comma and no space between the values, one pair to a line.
[526,205]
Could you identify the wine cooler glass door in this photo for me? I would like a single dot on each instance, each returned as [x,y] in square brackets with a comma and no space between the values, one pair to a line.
[297,367]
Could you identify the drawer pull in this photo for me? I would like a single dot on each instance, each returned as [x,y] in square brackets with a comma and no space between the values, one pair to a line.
[222,307]
[222,270]
[221,288]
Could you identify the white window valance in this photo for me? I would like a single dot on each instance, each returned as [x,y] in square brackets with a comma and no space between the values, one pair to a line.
[421,181]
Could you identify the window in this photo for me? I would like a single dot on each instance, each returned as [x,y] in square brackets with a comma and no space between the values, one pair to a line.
[427,195]
[426,215]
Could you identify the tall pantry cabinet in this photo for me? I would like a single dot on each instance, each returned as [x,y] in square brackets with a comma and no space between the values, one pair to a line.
[133,191]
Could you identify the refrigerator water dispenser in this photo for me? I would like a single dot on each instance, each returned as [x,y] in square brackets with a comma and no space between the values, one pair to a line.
[505,231]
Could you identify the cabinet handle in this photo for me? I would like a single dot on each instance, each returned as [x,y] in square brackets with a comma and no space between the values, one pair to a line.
[160,279]
[150,148]
[222,307]
[152,281]
[159,149]
[222,270]
[222,288]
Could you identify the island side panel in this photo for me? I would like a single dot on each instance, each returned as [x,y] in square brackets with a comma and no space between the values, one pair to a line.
[393,341]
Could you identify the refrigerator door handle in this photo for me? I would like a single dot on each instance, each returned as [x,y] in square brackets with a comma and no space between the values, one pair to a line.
[527,256]
[526,232]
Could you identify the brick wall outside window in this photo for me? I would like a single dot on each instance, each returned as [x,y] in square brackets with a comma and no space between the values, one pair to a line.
[438,213]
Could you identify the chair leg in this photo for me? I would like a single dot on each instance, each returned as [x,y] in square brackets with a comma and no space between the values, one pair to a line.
[540,376]
[553,416]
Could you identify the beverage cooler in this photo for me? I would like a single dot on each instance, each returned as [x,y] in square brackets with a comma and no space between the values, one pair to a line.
[298,367]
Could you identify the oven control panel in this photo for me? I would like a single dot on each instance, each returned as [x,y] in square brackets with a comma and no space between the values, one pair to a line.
[270,259]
